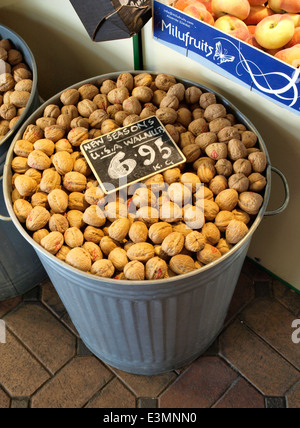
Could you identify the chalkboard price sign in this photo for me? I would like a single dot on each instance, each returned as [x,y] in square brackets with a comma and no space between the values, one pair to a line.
[131,154]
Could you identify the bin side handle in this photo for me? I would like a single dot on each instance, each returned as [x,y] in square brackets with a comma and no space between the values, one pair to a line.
[287,194]
[2,218]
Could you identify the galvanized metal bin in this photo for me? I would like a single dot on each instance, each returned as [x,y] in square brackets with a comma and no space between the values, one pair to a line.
[148,327]
[21,269]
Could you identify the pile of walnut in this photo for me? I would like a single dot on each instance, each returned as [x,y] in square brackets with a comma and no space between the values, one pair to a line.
[15,86]
[57,198]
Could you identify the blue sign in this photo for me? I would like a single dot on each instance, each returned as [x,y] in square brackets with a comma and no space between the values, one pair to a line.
[228,56]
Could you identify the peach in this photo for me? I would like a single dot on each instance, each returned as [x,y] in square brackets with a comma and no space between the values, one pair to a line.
[251,40]
[256,2]
[273,52]
[257,14]
[280,6]
[295,40]
[233,26]
[238,8]
[275,31]
[290,56]
[199,11]
[207,4]
[182,4]
[296,18]
[251,29]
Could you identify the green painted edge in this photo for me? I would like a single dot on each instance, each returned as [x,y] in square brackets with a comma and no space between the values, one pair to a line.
[138,51]
[273,275]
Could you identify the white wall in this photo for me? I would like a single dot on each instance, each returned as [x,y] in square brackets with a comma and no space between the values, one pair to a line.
[276,242]
[65,55]
[62,48]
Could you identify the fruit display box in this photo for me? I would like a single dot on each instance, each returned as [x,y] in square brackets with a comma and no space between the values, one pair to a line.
[232,58]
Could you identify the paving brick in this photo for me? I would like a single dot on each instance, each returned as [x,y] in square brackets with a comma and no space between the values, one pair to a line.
[113,395]
[204,382]
[52,300]
[271,374]
[4,399]
[74,385]
[43,334]
[293,397]
[287,297]
[241,395]
[243,294]
[8,305]
[21,374]
[146,386]
[273,323]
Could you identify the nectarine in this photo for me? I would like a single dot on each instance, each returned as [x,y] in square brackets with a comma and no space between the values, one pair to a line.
[251,40]
[275,31]
[238,8]
[233,26]
[290,56]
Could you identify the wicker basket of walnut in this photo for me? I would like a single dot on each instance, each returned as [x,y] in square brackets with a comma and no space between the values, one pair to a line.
[163,228]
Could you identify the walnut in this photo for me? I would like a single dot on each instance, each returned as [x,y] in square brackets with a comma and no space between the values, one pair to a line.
[257,182]
[63,162]
[23,148]
[58,201]
[195,241]
[54,133]
[164,82]
[33,133]
[236,231]
[141,252]
[45,145]
[227,200]
[194,217]
[218,184]
[156,268]
[25,185]
[258,161]
[134,271]
[93,234]
[80,259]
[37,219]
[73,237]
[211,233]
[236,150]
[250,202]
[242,166]
[192,152]
[88,91]
[53,242]
[239,182]
[205,139]
[75,182]
[70,97]
[166,115]
[222,219]
[159,231]
[217,151]
[119,258]
[107,86]
[192,95]
[119,229]
[181,264]
[208,255]
[173,244]
[39,235]
[207,99]
[94,216]
[58,223]
[93,250]
[138,232]
[19,165]
[22,209]
[75,218]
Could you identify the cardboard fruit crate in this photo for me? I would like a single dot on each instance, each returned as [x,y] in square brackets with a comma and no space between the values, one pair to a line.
[232,58]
